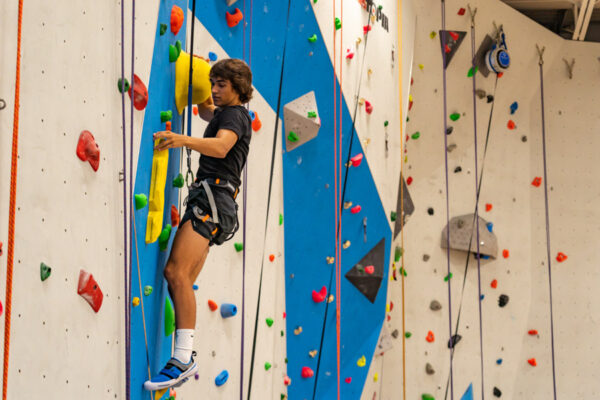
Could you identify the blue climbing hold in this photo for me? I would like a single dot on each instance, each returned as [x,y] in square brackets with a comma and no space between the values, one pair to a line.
[222,378]
[485,256]
[252,114]
[499,361]
[482,297]
[489,226]
[468,393]
[195,287]
[228,310]
[212,56]
[513,107]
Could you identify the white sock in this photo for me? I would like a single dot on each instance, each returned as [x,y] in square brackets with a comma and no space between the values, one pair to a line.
[184,344]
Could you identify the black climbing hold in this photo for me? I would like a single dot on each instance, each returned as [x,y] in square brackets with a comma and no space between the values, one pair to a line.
[523,138]
[490,98]
[450,45]
[454,341]
[435,305]
[480,93]
[395,333]
[457,169]
[449,130]
[425,257]
[430,211]
[497,392]
[503,300]
[368,284]
[429,369]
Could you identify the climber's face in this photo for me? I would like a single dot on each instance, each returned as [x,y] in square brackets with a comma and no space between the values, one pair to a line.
[223,93]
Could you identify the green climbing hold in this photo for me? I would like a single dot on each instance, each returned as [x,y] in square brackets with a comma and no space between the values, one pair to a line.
[286,360]
[166,116]
[312,114]
[123,85]
[269,321]
[472,71]
[447,277]
[403,271]
[281,333]
[169,318]
[45,271]
[280,219]
[386,123]
[338,24]
[267,366]
[174,51]
[178,181]
[426,396]
[393,216]
[397,253]
[140,201]
[163,238]
[239,247]
[416,135]
[163,29]
[454,116]
[148,290]
[283,396]
[407,334]
[178,46]
[313,38]
[292,137]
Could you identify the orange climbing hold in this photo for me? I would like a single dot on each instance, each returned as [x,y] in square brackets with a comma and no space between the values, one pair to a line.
[212,305]
[532,362]
[174,216]
[272,257]
[537,181]
[430,338]
[494,283]
[168,126]
[256,124]
[195,110]
[176,19]
[533,332]
[560,257]
[235,18]
[511,124]
[505,253]
[488,207]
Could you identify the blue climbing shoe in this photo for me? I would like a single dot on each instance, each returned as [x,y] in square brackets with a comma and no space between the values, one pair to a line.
[174,374]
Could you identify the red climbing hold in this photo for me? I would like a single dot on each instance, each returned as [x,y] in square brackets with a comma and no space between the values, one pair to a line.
[500,74]
[488,207]
[176,19]
[505,253]
[410,104]
[195,110]
[366,29]
[369,269]
[349,54]
[537,181]
[88,150]
[286,380]
[307,372]
[320,295]
[168,126]
[560,257]
[391,305]
[454,35]
[389,317]
[0,248]
[356,160]
[356,209]
[212,305]
[494,283]
[88,289]
[511,124]
[430,338]
[256,124]
[461,11]
[272,257]
[174,216]
[235,18]
[447,49]
[409,180]
[284,315]
[368,107]
[532,362]
[140,95]
[348,379]
[533,332]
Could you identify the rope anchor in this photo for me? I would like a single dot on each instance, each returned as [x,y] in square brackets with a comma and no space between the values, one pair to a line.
[570,66]
[541,53]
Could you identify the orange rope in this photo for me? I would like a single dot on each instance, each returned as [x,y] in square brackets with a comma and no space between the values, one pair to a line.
[11,209]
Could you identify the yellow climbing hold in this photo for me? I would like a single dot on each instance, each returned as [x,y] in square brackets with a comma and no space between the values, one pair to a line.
[432,34]
[421,66]
[361,361]
[156,202]
[410,98]
[201,89]
[375,377]
[135,301]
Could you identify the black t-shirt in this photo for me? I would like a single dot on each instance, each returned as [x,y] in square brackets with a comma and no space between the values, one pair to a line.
[236,119]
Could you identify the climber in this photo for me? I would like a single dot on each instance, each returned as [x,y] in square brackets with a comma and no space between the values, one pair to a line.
[211,214]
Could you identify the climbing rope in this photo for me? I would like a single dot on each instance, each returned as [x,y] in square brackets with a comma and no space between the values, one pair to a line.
[447,190]
[338,258]
[12,205]
[541,64]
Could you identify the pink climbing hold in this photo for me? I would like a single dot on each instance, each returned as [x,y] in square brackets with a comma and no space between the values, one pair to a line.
[356,160]
[176,19]
[368,107]
[319,296]
[369,269]
[366,29]
[348,379]
[88,289]
[349,54]
[235,18]
[140,93]
[88,150]
[356,209]
[287,380]
[307,372]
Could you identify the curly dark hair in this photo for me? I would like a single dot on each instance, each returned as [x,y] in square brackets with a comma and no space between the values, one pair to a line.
[238,73]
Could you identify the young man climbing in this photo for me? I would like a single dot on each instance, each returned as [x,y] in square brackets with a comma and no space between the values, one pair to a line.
[211,213]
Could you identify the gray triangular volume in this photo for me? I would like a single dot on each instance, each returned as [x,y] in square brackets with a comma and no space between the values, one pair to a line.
[409,207]
[297,120]
[385,341]
[463,233]
[452,43]
[368,284]
[479,59]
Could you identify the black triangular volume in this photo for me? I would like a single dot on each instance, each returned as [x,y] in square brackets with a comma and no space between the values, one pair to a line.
[479,59]
[368,284]
[409,207]
[453,44]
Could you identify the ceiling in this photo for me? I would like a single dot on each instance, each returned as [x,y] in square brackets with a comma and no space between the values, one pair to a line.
[559,16]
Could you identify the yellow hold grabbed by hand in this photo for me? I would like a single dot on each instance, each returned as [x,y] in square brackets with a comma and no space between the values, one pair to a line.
[201,89]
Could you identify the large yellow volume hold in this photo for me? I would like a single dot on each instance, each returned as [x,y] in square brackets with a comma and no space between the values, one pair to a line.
[156,202]
[201,89]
